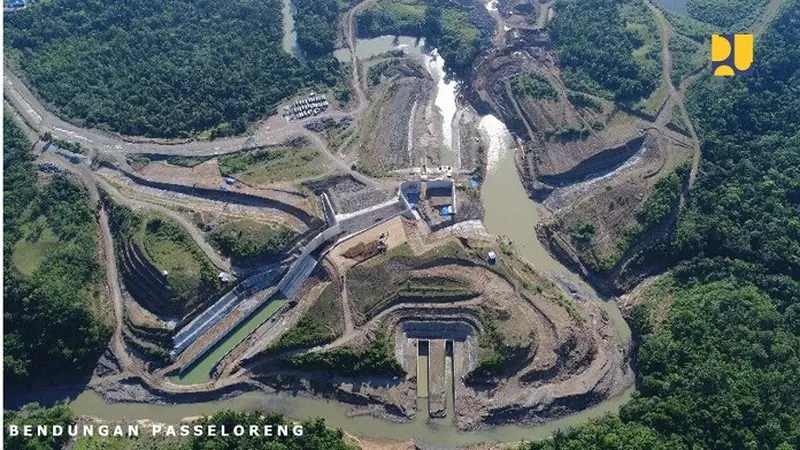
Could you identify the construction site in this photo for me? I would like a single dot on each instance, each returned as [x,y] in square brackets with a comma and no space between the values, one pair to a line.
[413,265]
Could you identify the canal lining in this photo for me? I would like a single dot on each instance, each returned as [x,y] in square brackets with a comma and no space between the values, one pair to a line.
[450,398]
[423,371]
[248,323]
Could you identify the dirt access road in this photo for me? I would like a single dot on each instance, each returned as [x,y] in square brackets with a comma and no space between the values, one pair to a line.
[676,98]
[272,131]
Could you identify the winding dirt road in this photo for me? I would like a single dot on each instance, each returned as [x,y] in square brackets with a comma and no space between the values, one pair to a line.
[270,132]
[677,99]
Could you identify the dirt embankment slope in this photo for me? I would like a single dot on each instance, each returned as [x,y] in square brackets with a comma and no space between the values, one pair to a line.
[566,354]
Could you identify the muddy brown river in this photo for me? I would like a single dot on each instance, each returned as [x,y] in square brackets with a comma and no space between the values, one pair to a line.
[510,213]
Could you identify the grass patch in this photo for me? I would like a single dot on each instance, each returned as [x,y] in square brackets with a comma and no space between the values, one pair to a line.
[652,104]
[676,122]
[321,324]
[659,297]
[378,359]
[247,239]
[187,161]
[191,277]
[497,350]
[383,281]
[533,85]
[583,101]
[29,251]
[138,161]
[271,165]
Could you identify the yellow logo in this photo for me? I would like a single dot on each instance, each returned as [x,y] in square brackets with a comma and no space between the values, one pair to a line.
[731,54]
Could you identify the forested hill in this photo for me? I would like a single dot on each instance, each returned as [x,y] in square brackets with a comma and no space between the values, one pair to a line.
[595,47]
[52,277]
[722,372]
[743,217]
[166,69]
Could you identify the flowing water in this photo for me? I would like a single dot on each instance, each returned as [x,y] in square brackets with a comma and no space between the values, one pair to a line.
[289,33]
[337,415]
[446,87]
[446,103]
[509,212]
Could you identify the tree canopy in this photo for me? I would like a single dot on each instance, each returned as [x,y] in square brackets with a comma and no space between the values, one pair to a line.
[166,69]
[34,415]
[722,372]
[316,23]
[49,325]
[596,50]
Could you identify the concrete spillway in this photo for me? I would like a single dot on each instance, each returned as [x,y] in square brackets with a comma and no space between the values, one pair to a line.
[423,349]
[285,287]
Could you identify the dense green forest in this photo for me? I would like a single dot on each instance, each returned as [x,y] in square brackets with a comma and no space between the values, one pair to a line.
[388,17]
[596,50]
[316,23]
[316,435]
[728,14]
[722,371]
[34,415]
[49,325]
[167,69]
[450,28]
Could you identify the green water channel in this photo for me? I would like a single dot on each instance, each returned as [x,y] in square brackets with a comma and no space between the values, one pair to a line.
[200,372]
[422,368]
[509,212]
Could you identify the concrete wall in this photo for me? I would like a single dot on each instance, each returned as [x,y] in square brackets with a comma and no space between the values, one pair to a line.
[327,207]
[266,296]
[411,187]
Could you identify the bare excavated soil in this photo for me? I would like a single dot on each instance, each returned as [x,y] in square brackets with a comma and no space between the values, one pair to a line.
[254,206]
[347,253]
[568,355]
[207,175]
[394,133]
[611,204]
